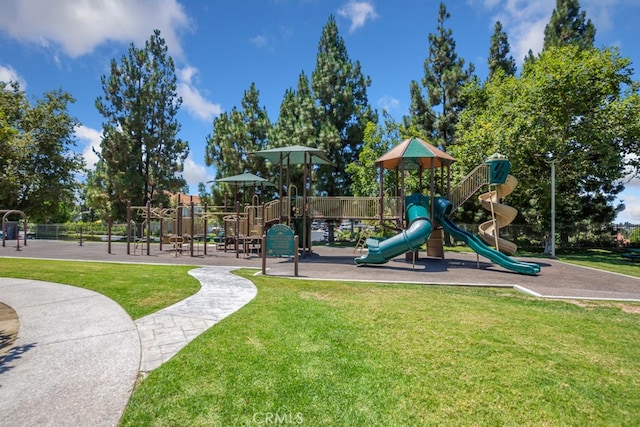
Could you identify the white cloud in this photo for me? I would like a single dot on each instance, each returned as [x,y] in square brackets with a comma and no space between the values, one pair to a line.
[260,40]
[92,139]
[524,23]
[194,173]
[388,103]
[9,74]
[358,12]
[192,99]
[78,27]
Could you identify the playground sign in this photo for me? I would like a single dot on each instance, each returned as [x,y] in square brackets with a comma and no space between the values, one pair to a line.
[280,241]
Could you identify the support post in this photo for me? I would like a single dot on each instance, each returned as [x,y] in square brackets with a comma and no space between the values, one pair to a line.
[553,209]
[109,225]
[148,228]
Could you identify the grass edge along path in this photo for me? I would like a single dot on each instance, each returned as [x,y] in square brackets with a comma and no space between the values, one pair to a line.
[355,354]
[140,289]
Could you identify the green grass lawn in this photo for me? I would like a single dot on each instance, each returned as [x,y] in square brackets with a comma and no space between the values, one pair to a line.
[340,353]
[361,354]
[139,289]
[603,259]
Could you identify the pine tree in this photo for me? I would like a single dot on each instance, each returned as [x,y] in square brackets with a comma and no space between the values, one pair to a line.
[235,136]
[141,156]
[296,123]
[568,25]
[443,80]
[499,58]
[340,90]
[297,119]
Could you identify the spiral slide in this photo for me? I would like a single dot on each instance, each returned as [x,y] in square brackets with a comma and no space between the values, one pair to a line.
[419,231]
[443,206]
[504,215]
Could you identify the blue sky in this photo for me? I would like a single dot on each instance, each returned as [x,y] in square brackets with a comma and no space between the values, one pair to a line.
[221,46]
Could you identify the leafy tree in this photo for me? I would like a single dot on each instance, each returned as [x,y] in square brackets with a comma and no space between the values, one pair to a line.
[377,141]
[444,78]
[568,25]
[37,160]
[578,105]
[141,156]
[235,136]
[340,90]
[499,58]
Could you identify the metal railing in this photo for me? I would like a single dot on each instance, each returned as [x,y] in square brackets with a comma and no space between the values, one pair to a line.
[475,180]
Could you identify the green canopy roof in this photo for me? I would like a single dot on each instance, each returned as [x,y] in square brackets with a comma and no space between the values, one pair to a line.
[245,180]
[295,155]
[414,153]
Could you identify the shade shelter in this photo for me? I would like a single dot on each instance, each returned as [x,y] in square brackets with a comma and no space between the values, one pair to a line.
[295,155]
[242,180]
[412,154]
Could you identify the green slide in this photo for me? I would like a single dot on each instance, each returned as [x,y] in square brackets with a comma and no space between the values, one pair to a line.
[419,231]
[476,243]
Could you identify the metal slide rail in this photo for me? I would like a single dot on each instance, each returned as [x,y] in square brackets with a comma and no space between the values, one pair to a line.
[477,178]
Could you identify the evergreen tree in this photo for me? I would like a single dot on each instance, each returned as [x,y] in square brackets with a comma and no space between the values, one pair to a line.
[444,78]
[37,162]
[141,156]
[340,90]
[298,117]
[296,123]
[235,136]
[499,58]
[568,25]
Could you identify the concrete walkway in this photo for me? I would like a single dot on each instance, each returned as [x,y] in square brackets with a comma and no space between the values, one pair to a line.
[75,360]
[78,354]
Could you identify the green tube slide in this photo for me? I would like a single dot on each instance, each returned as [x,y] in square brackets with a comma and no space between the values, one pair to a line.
[442,206]
[419,231]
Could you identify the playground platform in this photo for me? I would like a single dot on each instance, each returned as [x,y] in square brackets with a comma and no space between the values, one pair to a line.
[556,279]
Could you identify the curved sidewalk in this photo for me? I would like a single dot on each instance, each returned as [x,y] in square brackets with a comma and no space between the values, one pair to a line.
[78,353]
[165,332]
[75,361]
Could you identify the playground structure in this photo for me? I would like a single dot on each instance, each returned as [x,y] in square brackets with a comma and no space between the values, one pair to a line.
[421,219]
[426,215]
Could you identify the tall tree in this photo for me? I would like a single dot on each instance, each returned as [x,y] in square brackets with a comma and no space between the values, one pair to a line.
[444,78]
[141,156]
[579,106]
[568,25]
[37,160]
[296,123]
[298,117]
[236,135]
[340,90]
[499,58]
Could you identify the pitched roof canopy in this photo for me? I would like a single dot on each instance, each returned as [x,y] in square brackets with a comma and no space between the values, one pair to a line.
[295,155]
[245,180]
[414,153]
